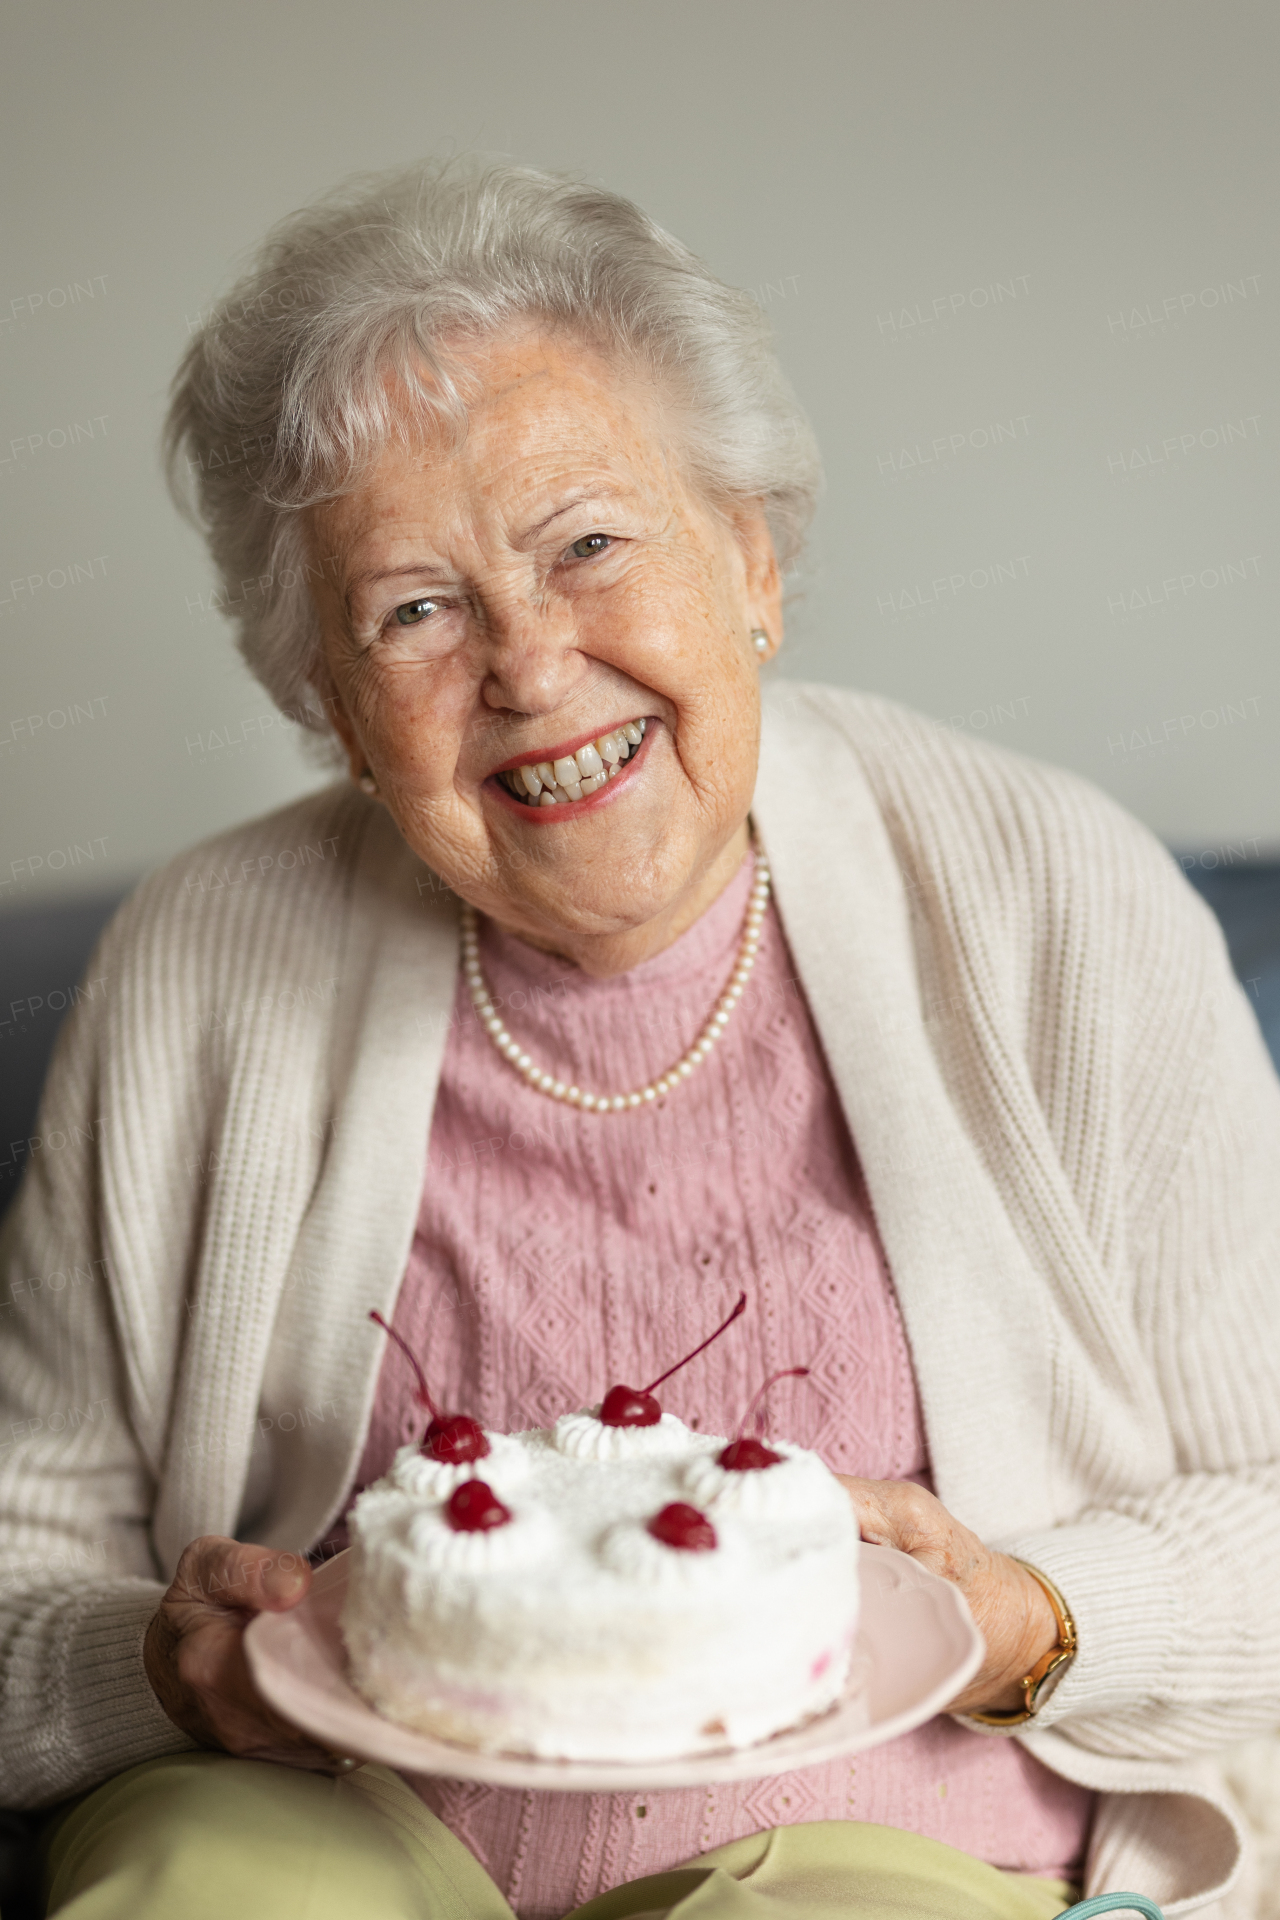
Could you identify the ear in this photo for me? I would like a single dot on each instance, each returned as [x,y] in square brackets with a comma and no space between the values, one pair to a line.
[328,616]
[763,575]
[326,610]
[340,721]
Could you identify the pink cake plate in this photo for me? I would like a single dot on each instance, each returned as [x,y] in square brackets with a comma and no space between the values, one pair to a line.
[916,1648]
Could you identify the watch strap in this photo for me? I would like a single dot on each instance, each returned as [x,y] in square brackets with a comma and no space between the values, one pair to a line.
[1033,1684]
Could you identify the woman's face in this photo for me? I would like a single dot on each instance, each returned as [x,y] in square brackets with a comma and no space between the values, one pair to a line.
[516,600]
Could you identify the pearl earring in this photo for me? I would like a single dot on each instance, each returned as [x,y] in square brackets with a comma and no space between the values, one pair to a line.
[760,640]
[367,784]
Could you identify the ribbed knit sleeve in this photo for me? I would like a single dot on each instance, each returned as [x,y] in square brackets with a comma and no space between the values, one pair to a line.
[1082,1008]
[174,1154]
[77,1581]
[1174,1588]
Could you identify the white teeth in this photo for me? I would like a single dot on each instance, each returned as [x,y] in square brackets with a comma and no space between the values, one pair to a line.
[577,776]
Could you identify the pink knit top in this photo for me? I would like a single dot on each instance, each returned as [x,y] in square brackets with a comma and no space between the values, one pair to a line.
[558,1252]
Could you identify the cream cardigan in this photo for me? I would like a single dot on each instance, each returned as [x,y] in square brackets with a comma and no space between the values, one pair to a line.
[1071,1135]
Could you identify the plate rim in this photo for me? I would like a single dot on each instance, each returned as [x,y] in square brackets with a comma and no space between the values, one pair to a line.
[783,1752]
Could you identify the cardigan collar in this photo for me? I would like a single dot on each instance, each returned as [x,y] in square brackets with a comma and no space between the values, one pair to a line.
[964,1282]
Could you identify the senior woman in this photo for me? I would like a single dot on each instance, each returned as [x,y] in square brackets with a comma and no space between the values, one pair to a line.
[928,1047]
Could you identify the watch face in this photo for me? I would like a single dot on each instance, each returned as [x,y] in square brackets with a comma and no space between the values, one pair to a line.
[1053,1666]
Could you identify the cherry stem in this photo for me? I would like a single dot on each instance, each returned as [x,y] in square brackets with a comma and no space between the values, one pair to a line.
[424,1398]
[788,1373]
[740,1308]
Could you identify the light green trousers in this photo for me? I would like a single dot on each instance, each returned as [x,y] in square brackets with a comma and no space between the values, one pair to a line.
[201,1836]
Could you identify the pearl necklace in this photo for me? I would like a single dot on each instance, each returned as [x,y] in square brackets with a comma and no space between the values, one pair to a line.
[527,1067]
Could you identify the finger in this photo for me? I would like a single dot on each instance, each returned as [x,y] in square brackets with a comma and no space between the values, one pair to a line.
[242,1578]
[226,1704]
[308,1760]
[259,1733]
[874,1523]
[245,1723]
[902,1515]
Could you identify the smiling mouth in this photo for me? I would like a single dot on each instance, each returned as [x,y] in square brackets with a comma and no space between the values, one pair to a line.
[550,783]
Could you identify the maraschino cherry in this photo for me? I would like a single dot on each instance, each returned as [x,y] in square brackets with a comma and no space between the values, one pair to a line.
[452,1437]
[682,1526]
[474,1507]
[745,1454]
[636,1406]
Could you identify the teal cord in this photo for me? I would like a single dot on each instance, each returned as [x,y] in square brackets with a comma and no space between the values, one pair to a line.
[1113,1903]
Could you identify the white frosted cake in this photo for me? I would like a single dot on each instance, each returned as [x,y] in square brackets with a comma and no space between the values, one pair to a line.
[594,1592]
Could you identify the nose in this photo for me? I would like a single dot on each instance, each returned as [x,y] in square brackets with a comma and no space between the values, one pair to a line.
[534,664]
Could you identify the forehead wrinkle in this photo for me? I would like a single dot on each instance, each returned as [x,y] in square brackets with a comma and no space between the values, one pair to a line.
[561,495]
[519,542]
[486,503]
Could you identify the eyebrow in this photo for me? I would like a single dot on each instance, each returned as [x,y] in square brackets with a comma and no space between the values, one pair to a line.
[419,569]
[578,499]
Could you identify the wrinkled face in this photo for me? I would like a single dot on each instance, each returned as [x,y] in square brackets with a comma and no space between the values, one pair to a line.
[540,645]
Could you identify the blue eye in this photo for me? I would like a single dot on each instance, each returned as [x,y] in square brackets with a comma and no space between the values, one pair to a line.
[590,543]
[415,611]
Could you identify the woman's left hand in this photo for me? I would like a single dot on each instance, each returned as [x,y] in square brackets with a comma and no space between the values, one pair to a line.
[1012,1610]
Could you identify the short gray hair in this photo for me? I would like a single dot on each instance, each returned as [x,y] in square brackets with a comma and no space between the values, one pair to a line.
[281,399]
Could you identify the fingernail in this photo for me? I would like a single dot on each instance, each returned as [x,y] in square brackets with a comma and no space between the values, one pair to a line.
[284,1583]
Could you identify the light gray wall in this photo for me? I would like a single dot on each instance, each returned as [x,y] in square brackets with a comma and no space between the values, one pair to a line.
[1022,262]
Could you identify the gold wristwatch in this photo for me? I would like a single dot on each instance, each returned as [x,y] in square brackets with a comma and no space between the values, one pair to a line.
[1033,1683]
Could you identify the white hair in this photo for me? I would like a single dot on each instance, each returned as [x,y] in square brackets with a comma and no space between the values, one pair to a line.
[282,398]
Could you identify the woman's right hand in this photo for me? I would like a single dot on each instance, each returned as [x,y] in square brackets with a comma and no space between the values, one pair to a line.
[194,1651]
